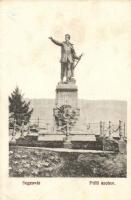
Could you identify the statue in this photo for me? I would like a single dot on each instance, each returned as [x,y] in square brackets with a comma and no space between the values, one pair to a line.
[68,57]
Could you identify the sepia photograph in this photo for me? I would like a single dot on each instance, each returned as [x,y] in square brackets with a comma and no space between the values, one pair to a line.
[66,136]
[65,99]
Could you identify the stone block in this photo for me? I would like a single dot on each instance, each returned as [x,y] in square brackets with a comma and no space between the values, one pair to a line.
[66,94]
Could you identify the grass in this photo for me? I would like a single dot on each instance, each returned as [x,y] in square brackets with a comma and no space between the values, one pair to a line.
[31,162]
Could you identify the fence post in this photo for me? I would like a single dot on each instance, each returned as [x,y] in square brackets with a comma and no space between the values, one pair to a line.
[110,133]
[38,123]
[29,127]
[101,129]
[22,128]
[103,133]
[120,129]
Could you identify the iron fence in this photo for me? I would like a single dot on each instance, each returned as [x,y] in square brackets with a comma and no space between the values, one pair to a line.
[102,128]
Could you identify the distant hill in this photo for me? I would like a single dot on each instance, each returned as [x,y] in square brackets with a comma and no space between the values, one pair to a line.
[90,110]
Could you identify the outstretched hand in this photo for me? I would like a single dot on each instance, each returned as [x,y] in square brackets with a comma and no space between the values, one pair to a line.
[50,38]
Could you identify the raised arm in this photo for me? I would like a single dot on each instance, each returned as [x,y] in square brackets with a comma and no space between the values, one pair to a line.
[55,41]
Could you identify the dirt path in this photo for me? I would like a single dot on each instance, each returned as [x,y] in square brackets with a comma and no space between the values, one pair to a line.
[68,150]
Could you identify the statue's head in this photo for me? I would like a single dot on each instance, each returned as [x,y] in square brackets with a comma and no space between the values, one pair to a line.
[67,37]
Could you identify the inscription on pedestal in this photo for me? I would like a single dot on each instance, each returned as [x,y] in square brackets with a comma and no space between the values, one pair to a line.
[66,94]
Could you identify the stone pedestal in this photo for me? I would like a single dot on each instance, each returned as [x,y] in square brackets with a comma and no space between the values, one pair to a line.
[122,146]
[65,109]
[66,94]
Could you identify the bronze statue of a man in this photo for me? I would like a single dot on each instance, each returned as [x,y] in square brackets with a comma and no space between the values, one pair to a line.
[68,56]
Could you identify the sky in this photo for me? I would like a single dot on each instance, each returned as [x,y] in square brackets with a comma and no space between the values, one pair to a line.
[99,29]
